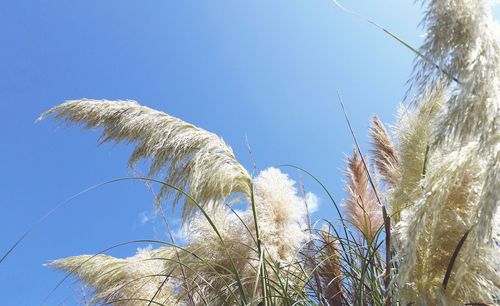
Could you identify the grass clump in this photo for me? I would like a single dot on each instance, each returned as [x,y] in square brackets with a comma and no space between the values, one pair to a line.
[420,227]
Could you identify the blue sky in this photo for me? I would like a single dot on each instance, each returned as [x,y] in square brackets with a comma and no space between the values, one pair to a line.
[266,70]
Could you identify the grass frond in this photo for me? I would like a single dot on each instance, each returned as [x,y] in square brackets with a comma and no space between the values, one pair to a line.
[190,158]
[442,174]
[413,134]
[464,36]
[330,270]
[363,210]
[280,213]
[136,277]
[385,155]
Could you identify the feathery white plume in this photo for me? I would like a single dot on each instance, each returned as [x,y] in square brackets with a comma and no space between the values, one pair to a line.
[460,189]
[213,265]
[280,213]
[413,134]
[464,40]
[192,159]
[430,229]
[125,282]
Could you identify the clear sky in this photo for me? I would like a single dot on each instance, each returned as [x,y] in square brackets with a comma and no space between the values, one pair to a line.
[266,70]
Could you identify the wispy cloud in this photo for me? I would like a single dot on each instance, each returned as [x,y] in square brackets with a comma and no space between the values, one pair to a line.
[312,202]
[145,217]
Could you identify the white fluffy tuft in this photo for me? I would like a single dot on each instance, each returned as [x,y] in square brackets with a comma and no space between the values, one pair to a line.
[192,159]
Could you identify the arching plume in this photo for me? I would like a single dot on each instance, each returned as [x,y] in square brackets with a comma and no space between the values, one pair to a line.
[385,156]
[190,158]
[125,282]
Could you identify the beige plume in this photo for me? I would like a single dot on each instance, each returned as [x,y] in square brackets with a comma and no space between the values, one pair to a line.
[385,156]
[363,211]
[459,191]
[192,159]
[125,282]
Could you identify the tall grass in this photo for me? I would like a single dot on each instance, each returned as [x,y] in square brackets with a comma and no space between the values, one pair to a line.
[420,224]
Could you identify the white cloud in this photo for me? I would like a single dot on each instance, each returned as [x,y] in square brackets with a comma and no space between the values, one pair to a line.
[312,202]
[144,217]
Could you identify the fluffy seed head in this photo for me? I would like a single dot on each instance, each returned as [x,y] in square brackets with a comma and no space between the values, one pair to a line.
[363,211]
[463,39]
[330,269]
[124,282]
[190,158]
[456,194]
[280,213]
[385,156]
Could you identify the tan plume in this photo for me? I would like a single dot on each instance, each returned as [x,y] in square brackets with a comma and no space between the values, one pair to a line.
[385,155]
[363,211]
[192,159]
[330,269]
[125,282]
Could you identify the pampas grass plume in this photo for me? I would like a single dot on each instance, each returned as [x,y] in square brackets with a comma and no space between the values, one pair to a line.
[363,211]
[385,158]
[190,158]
